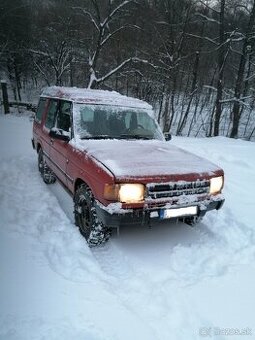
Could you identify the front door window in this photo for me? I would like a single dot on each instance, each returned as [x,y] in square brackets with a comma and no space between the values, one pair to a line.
[51,116]
[64,116]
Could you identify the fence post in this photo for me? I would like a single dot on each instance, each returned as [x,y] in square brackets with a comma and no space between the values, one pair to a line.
[5,97]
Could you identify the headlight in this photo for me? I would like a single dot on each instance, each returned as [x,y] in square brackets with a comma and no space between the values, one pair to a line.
[216,185]
[125,193]
[131,193]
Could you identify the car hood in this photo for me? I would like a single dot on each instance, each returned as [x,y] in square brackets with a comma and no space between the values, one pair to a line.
[143,159]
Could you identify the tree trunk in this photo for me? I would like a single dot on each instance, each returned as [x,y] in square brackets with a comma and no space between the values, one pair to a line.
[161,103]
[17,79]
[221,62]
[5,97]
[193,91]
[240,76]
[166,116]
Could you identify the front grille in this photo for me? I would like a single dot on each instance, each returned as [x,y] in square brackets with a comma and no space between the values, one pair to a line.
[176,189]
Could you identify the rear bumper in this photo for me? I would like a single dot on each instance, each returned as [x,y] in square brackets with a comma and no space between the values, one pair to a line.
[144,216]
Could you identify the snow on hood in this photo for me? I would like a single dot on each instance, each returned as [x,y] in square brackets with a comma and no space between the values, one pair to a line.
[142,158]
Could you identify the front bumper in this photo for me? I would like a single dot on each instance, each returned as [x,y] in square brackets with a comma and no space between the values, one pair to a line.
[115,218]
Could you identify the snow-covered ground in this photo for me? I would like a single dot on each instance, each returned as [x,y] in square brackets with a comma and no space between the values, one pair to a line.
[168,282]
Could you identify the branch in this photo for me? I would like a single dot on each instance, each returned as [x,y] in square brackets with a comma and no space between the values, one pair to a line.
[116,31]
[94,2]
[207,6]
[42,72]
[143,61]
[3,48]
[120,66]
[63,69]
[207,18]
[241,101]
[206,38]
[235,51]
[116,69]
[250,77]
[164,44]
[112,14]
[89,15]
[244,7]
[210,87]
[44,54]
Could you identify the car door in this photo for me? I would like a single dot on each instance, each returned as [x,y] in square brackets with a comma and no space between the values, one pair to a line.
[37,124]
[59,148]
[48,123]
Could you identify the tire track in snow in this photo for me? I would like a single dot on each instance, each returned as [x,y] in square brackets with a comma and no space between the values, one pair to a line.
[69,256]
[28,207]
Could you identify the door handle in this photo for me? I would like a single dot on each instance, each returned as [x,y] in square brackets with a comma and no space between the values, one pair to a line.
[51,141]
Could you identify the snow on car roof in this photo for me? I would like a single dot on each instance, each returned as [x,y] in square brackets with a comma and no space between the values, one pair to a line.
[88,96]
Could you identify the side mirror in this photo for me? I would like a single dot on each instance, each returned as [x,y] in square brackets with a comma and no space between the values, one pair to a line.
[59,134]
[168,136]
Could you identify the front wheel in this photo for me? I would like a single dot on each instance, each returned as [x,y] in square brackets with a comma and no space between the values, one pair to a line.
[94,231]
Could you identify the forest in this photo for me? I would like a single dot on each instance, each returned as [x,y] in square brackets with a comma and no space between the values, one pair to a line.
[192,60]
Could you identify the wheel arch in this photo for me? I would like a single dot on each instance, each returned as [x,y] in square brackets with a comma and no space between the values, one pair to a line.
[79,181]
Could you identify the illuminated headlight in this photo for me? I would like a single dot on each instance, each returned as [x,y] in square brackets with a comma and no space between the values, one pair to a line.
[216,185]
[131,193]
[125,193]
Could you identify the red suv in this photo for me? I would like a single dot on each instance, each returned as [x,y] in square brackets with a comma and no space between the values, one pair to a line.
[111,155]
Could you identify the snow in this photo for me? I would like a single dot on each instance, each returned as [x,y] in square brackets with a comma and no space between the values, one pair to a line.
[134,158]
[168,282]
[114,208]
[82,95]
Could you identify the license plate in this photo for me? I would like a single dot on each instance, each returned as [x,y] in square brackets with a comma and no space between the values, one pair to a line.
[178,212]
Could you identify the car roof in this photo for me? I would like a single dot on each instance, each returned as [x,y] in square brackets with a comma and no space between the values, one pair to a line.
[96,97]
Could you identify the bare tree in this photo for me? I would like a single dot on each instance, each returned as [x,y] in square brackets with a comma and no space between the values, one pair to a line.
[56,56]
[241,72]
[194,88]
[14,37]
[104,31]
[221,64]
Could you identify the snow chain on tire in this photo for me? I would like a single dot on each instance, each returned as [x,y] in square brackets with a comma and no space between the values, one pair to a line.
[86,219]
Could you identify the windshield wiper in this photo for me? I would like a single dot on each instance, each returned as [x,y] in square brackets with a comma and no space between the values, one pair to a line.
[123,136]
[97,137]
[127,136]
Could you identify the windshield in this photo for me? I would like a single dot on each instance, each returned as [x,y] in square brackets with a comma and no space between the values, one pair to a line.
[105,121]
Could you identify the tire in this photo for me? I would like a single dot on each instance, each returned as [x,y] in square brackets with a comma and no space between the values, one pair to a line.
[94,231]
[193,220]
[46,173]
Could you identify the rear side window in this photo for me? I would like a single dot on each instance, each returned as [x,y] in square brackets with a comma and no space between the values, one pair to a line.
[51,115]
[40,109]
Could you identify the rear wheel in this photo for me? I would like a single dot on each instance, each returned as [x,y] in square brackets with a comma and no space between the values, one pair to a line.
[46,173]
[94,231]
